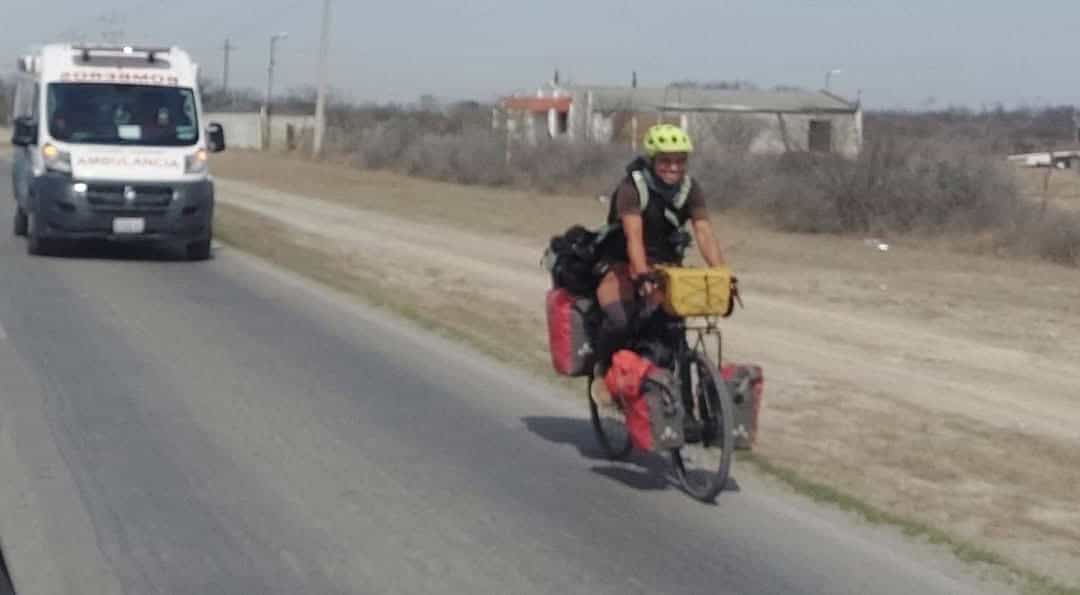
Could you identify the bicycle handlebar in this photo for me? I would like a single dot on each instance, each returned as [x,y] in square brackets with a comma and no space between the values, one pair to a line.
[655,278]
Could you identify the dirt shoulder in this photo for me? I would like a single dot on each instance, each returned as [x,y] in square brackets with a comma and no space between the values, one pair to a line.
[939,386]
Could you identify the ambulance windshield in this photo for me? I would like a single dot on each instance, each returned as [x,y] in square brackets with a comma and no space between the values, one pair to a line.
[122,114]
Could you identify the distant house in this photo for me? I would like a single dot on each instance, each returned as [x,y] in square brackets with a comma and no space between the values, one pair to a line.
[761,122]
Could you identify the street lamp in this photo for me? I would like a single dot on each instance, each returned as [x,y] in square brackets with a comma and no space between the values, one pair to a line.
[270,84]
[828,76]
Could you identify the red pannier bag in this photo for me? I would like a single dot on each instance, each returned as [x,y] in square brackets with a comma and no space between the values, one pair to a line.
[568,334]
[746,383]
[652,409]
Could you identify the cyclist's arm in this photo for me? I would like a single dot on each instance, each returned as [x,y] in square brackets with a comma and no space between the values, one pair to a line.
[628,208]
[703,229]
[707,242]
[633,229]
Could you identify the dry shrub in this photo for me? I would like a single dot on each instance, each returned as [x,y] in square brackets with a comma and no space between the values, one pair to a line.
[1018,130]
[569,167]
[7,98]
[474,157]
[731,179]
[1058,239]
[459,146]
[895,185]
[1052,234]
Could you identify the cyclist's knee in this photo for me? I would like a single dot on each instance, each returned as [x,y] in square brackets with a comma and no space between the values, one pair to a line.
[616,317]
[615,285]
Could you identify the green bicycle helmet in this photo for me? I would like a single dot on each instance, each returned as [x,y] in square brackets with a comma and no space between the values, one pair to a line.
[666,138]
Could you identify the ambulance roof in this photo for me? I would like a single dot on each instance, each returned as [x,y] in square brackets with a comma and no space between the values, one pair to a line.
[130,64]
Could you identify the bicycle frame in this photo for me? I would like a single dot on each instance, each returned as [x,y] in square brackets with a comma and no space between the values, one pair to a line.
[700,328]
[707,326]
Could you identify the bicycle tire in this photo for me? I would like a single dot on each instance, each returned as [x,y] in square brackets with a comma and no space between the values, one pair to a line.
[615,448]
[718,433]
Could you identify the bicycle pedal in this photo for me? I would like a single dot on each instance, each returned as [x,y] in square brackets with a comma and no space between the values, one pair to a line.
[693,431]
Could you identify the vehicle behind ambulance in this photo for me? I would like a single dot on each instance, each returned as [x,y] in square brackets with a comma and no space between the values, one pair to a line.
[111,144]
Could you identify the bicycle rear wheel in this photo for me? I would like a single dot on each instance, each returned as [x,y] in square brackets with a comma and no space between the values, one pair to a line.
[703,466]
[609,424]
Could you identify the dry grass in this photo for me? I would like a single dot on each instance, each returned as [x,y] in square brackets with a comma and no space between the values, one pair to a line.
[510,211]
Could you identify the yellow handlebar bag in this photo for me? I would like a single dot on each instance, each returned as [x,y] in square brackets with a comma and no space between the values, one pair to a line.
[690,292]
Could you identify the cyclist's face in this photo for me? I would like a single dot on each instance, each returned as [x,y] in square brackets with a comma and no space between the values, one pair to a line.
[670,167]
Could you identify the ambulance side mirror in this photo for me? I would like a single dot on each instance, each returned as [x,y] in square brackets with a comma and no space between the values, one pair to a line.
[216,136]
[25,132]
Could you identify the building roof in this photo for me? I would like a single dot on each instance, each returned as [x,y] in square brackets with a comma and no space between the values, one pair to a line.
[538,104]
[694,99]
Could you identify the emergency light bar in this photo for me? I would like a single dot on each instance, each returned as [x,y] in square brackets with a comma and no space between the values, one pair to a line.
[124,50]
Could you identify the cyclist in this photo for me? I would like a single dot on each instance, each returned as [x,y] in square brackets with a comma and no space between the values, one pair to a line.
[648,212]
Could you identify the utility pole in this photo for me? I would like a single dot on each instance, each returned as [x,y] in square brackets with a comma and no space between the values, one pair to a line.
[320,101]
[229,47]
[270,88]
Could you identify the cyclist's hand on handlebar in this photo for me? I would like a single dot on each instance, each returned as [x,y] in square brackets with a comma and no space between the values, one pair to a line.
[646,283]
[647,289]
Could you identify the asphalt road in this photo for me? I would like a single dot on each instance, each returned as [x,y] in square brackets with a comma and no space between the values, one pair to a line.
[222,427]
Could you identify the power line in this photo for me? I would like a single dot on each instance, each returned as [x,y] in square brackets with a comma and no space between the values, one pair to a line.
[111,19]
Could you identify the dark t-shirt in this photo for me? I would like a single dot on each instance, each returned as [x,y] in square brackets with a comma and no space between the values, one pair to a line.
[627,201]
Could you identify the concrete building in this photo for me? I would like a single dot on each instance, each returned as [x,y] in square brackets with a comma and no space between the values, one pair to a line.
[246,130]
[762,122]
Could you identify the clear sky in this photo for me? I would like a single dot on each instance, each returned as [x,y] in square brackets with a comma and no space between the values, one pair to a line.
[909,53]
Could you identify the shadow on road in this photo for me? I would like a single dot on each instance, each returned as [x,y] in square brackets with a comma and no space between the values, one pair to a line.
[642,471]
[646,480]
[567,430]
[132,251]
[6,587]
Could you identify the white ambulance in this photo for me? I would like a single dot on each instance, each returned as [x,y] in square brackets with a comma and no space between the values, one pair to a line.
[110,143]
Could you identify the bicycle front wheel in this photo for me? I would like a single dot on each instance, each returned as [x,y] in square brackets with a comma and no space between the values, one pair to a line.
[704,465]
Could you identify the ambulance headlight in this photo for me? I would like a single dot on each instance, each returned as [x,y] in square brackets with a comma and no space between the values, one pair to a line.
[55,159]
[196,163]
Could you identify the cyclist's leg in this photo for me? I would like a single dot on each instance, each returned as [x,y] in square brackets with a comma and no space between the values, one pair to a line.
[615,296]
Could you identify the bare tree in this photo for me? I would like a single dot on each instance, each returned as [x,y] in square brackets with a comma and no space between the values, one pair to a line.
[7,94]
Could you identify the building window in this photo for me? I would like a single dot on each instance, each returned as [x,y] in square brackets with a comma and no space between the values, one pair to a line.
[820,140]
[562,123]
